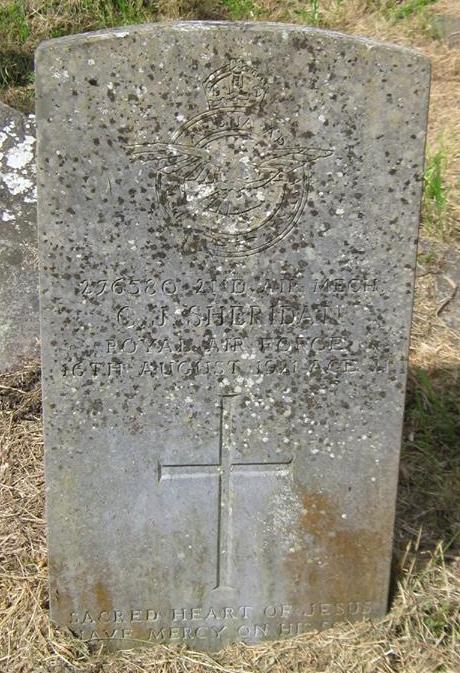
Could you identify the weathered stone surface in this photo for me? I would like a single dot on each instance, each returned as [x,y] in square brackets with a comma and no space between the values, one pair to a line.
[19,322]
[448,28]
[228,219]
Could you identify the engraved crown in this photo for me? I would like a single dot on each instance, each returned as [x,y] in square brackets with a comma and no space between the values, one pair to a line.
[235,85]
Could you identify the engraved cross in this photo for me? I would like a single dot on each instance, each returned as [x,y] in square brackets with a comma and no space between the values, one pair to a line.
[223,470]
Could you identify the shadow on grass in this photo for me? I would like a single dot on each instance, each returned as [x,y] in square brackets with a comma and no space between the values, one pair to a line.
[428,504]
[16,68]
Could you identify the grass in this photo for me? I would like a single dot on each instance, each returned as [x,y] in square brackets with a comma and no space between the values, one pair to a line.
[240,9]
[433,416]
[402,10]
[13,20]
[25,23]
[16,68]
[431,437]
[311,15]
[428,258]
[435,194]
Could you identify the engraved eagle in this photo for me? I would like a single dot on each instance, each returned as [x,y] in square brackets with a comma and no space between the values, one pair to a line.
[227,183]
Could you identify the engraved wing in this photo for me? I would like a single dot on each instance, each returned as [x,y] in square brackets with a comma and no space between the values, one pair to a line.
[187,161]
[287,160]
[204,181]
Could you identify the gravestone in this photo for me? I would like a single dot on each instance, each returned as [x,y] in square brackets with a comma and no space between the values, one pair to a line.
[19,322]
[228,218]
[448,28]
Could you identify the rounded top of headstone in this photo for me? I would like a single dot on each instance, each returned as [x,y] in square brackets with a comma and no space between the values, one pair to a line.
[285,29]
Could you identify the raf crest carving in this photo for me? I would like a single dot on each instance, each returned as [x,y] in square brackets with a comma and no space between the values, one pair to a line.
[227,175]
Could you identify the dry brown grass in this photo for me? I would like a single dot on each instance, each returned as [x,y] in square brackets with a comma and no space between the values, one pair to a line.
[434,342]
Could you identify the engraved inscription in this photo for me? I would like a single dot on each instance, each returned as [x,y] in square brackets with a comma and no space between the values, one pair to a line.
[182,624]
[297,328]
